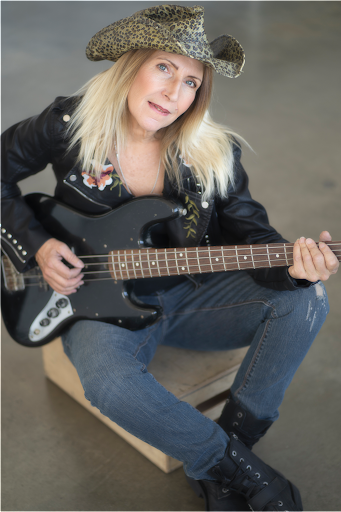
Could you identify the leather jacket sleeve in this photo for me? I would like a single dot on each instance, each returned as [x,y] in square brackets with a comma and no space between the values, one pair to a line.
[26,150]
[245,221]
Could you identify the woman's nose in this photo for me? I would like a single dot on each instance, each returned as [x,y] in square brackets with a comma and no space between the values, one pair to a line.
[172,90]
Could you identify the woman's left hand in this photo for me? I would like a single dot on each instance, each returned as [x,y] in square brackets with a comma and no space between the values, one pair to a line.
[313,262]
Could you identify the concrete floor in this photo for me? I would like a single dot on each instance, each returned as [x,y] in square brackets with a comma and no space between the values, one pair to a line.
[57,456]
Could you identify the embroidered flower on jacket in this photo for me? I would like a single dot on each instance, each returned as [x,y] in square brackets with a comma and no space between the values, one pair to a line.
[90,180]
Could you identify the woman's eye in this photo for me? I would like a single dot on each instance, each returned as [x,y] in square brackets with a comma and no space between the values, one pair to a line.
[163,67]
[191,83]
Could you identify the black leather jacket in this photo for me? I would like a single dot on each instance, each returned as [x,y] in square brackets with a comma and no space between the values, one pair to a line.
[30,145]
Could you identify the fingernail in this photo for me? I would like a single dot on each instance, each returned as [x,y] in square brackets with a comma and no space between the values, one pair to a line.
[302,239]
[309,241]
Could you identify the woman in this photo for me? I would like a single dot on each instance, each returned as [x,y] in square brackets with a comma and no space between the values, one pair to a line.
[142,127]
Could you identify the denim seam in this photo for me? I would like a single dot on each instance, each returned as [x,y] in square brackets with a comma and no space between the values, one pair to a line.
[65,341]
[226,306]
[145,341]
[255,359]
[164,316]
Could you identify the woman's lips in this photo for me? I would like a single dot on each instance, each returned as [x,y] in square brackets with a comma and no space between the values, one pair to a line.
[158,109]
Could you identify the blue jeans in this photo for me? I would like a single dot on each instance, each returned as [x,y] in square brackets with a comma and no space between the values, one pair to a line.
[227,311]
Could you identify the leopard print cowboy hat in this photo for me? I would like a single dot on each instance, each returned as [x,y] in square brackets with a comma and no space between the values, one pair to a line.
[171,28]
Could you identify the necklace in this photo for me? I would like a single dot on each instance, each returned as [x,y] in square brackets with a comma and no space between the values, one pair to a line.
[124,179]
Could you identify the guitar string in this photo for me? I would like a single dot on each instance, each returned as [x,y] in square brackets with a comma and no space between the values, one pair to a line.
[219,250]
[272,247]
[216,265]
[118,264]
[161,260]
[143,251]
[189,257]
[137,269]
[173,271]
[201,262]
[188,251]
[115,252]
[128,278]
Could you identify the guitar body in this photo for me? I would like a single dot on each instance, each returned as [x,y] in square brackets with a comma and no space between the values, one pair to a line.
[26,310]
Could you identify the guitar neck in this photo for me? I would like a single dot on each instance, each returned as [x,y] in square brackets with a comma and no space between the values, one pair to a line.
[143,263]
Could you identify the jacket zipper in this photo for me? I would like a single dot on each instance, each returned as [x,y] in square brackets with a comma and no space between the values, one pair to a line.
[86,197]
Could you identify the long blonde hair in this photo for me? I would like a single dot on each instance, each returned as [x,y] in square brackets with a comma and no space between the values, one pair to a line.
[102,116]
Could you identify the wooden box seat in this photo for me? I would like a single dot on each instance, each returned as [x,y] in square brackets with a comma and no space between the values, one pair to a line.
[199,378]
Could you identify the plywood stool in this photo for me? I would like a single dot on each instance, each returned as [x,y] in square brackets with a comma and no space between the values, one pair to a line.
[199,378]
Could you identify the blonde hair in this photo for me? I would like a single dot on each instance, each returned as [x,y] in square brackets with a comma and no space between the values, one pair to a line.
[102,116]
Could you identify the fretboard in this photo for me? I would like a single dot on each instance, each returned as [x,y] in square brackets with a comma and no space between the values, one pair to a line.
[143,263]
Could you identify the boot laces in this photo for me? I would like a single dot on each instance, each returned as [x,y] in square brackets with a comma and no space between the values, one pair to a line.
[242,481]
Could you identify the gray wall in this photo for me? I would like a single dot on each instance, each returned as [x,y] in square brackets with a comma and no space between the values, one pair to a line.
[287,106]
[286,103]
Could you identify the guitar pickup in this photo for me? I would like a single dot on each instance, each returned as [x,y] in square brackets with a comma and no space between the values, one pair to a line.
[13,280]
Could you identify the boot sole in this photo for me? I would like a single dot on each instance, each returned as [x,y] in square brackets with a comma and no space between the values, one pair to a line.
[296,496]
[198,489]
[201,492]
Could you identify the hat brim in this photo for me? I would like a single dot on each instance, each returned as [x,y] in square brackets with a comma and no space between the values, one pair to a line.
[225,55]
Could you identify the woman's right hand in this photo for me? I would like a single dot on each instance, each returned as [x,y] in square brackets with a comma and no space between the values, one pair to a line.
[61,278]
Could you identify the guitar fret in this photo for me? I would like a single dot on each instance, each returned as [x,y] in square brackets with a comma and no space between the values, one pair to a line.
[187,261]
[209,255]
[119,263]
[253,263]
[223,256]
[150,270]
[133,263]
[176,261]
[140,261]
[113,266]
[198,258]
[267,250]
[157,261]
[236,249]
[183,269]
[285,253]
[166,259]
[126,264]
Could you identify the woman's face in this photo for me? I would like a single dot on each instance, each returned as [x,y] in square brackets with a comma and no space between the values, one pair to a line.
[164,88]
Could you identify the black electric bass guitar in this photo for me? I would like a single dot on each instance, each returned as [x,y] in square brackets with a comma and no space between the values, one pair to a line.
[114,249]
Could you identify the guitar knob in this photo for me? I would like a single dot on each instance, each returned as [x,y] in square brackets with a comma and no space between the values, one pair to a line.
[52,313]
[62,303]
[44,322]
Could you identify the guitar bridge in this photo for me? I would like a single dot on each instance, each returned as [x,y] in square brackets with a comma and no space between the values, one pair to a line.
[13,280]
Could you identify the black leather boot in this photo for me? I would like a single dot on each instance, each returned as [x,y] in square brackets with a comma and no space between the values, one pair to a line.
[217,496]
[242,474]
[235,418]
